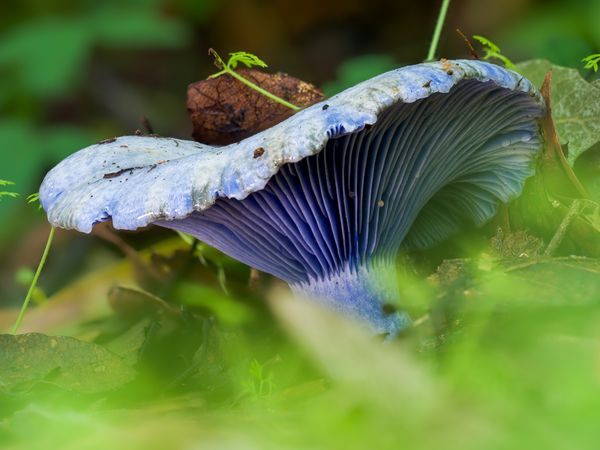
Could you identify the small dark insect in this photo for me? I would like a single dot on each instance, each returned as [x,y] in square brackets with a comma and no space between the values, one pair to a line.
[427,84]
[449,72]
[325,106]
[137,132]
[259,152]
[107,141]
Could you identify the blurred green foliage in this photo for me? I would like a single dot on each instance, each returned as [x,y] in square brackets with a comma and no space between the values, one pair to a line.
[562,32]
[355,70]
[42,57]
[506,357]
[47,56]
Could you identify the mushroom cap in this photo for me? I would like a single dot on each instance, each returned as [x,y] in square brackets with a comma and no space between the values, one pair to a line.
[137,180]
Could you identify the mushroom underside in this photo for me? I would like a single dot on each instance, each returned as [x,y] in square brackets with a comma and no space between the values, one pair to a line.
[331,224]
[419,174]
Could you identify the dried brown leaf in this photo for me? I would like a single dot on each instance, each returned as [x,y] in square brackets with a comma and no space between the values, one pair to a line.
[223,110]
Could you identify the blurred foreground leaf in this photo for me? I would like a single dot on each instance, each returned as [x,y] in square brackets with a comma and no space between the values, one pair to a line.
[353,358]
[29,359]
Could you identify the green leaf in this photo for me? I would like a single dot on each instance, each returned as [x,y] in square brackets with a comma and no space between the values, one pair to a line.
[34,199]
[575,104]
[491,47]
[592,61]
[7,193]
[492,51]
[248,59]
[65,362]
[129,344]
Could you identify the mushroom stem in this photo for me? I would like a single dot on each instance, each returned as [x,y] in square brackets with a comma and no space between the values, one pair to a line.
[362,293]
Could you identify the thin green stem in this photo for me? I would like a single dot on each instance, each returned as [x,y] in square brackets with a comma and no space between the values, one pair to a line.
[254,60]
[438,30]
[261,90]
[34,281]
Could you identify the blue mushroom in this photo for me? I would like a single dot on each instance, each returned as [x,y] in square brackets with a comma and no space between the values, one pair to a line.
[325,199]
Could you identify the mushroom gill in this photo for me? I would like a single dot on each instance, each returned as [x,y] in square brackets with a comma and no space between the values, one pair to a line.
[331,224]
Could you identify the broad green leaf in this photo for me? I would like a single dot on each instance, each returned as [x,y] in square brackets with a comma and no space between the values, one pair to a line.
[29,359]
[575,104]
[129,344]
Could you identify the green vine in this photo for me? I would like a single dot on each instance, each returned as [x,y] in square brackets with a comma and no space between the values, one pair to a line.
[33,198]
[249,60]
[7,193]
[33,284]
[437,32]
[492,51]
[592,61]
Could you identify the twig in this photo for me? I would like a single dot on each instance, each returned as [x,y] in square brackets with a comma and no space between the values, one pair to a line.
[551,137]
[147,125]
[574,209]
[472,50]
